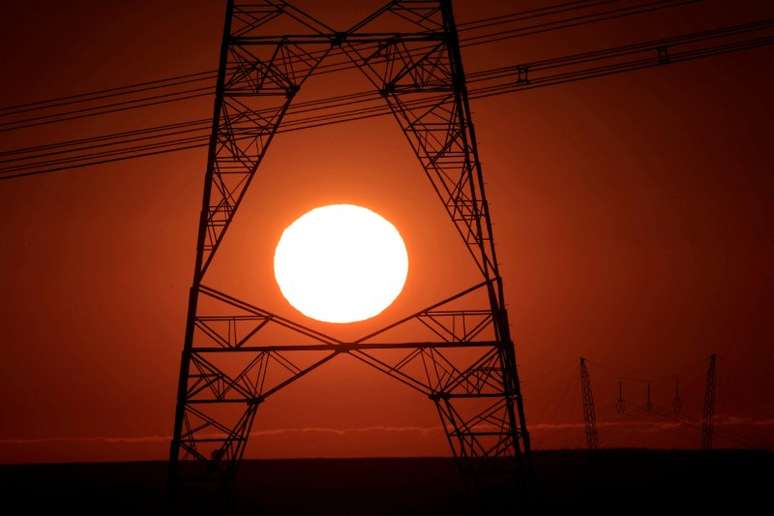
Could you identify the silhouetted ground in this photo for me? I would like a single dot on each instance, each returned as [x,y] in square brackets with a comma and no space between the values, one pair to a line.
[624,480]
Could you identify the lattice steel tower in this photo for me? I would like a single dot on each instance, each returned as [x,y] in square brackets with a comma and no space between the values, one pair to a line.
[466,365]
[589,409]
[708,425]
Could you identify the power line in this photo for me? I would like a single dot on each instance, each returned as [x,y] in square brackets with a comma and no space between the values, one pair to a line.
[210,74]
[578,21]
[323,121]
[105,93]
[116,107]
[373,112]
[111,136]
[542,73]
[540,11]
[143,102]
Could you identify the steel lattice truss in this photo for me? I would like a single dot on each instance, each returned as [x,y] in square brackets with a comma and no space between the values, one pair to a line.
[707,425]
[466,364]
[589,409]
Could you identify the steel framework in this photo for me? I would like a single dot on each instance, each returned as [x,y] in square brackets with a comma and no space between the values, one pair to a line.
[648,402]
[677,402]
[620,403]
[707,425]
[589,410]
[466,366]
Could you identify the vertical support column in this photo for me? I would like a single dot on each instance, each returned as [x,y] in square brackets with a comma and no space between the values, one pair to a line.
[193,296]
[258,77]
[648,402]
[516,415]
[589,410]
[707,426]
[677,402]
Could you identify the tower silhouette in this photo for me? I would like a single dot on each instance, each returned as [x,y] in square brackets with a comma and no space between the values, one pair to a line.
[409,51]
[589,409]
[710,387]
[620,404]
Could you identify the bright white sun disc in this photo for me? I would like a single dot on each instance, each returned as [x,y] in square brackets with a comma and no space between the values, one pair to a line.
[340,263]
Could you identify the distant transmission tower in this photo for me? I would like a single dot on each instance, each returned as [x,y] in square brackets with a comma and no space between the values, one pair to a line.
[648,402]
[708,427]
[463,358]
[589,410]
[677,402]
[620,404]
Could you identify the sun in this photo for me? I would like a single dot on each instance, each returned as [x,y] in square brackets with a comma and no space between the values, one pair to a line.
[340,263]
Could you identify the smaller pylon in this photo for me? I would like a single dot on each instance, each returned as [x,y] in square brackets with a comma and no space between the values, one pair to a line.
[589,411]
[677,402]
[707,427]
[620,404]
[648,403]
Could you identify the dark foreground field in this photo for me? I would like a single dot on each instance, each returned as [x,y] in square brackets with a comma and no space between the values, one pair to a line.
[624,480]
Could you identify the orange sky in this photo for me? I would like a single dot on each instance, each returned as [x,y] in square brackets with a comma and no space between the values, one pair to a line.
[632,218]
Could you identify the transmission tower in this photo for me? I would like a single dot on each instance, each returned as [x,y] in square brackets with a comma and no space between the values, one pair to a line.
[465,364]
[589,411]
[620,404]
[648,402]
[707,426]
[677,402]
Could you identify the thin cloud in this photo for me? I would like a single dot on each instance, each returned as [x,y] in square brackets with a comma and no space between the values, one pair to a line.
[423,430]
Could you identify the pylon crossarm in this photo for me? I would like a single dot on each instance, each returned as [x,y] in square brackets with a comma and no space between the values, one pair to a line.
[428,370]
[259,313]
[212,384]
[417,63]
[252,16]
[392,371]
[440,372]
[428,310]
[233,340]
[301,373]
[419,13]
[371,17]
[346,347]
[449,331]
